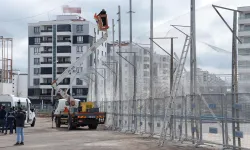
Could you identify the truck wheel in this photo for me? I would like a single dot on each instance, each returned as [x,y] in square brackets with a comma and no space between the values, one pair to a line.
[33,122]
[58,123]
[93,126]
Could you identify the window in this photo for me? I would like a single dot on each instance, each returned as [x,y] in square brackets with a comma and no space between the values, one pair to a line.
[36,61]
[79,91]
[47,80]
[79,49]
[77,58]
[247,15]
[247,28]
[36,81]
[37,40]
[244,64]
[79,39]
[146,66]
[36,29]
[102,53]
[79,28]
[36,71]
[47,59]
[78,81]
[246,39]
[146,73]
[146,59]
[36,50]
[79,69]
[244,52]
[164,59]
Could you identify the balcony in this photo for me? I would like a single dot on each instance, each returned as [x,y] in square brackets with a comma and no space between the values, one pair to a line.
[244,20]
[46,62]
[65,83]
[46,52]
[244,32]
[60,41]
[46,30]
[46,41]
[59,72]
[45,83]
[64,62]
[45,93]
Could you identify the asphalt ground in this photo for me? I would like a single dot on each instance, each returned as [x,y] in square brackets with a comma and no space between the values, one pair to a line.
[44,137]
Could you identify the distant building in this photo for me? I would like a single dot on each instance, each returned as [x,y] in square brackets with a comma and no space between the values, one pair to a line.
[53,47]
[244,49]
[161,69]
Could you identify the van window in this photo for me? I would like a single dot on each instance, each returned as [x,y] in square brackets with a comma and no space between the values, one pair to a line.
[23,105]
[6,104]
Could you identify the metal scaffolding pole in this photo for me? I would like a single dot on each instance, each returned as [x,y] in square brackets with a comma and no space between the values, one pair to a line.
[96,77]
[113,46]
[151,69]
[120,70]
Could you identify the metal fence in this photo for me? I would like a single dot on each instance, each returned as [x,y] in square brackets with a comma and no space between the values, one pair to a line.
[205,118]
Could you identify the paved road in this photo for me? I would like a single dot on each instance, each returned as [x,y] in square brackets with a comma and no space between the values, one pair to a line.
[42,137]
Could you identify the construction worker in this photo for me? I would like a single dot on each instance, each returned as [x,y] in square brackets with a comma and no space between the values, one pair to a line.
[3,118]
[101,14]
[20,119]
[10,121]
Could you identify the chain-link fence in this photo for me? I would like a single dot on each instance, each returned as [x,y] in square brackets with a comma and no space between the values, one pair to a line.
[208,118]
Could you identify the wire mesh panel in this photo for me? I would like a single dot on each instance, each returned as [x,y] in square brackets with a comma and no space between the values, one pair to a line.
[212,117]
[125,117]
[238,123]
[179,117]
[158,115]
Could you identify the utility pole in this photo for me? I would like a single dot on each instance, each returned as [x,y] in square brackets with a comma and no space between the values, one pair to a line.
[120,70]
[113,47]
[151,69]
[96,77]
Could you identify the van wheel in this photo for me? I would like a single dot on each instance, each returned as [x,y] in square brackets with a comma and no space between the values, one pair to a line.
[33,122]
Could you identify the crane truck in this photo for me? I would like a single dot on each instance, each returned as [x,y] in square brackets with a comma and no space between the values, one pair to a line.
[72,112]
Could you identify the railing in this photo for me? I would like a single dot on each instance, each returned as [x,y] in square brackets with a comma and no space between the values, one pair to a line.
[63,41]
[45,83]
[64,51]
[46,30]
[46,41]
[46,62]
[46,51]
[64,62]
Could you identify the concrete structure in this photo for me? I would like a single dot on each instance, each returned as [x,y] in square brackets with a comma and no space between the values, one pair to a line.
[53,46]
[244,49]
[20,84]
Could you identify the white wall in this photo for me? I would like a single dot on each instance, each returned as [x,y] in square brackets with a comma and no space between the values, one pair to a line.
[20,85]
[5,88]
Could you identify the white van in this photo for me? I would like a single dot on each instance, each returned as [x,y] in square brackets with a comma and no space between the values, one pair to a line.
[11,101]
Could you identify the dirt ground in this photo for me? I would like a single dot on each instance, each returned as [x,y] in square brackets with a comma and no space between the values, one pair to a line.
[43,136]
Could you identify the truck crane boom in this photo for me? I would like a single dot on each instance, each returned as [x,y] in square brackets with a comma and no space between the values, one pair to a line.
[78,63]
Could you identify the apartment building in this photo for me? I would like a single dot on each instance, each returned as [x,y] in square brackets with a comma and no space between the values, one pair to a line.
[161,68]
[54,46]
[244,49]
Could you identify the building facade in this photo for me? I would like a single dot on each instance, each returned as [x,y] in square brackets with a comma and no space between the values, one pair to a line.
[161,71]
[53,47]
[244,49]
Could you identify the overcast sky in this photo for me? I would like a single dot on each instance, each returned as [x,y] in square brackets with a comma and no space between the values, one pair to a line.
[15,16]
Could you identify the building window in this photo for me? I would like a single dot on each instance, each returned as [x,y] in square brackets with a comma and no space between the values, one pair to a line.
[244,52]
[36,50]
[79,91]
[146,59]
[79,49]
[146,74]
[78,81]
[36,61]
[79,39]
[36,71]
[79,69]
[36,81]
[36,29]
[164,59]
[146,66]
[37,40]
[77,58]
[247,15]
[102,53]
[79,28]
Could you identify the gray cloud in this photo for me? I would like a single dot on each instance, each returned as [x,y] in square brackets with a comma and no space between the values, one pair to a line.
[210,28]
